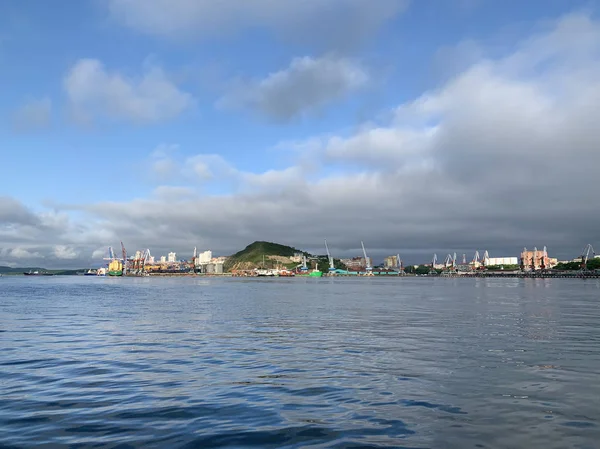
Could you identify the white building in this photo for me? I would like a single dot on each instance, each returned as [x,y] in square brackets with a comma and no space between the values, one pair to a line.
[172,258]
[297,257]
[204,258]
[151,260]
[163,259]
[493,261]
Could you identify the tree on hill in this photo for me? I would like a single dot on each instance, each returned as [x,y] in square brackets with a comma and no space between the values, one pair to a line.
[253,254]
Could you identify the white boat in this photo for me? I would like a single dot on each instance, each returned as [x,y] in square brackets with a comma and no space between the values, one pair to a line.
[101,272]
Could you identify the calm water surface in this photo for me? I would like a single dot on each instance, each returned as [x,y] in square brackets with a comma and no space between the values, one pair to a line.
[311,363]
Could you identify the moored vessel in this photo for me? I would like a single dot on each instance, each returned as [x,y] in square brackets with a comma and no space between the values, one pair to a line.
[115,268]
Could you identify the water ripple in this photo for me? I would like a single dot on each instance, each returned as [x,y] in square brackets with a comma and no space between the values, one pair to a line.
[334,363]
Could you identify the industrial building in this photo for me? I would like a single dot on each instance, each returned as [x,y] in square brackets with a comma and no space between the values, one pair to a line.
[390,262]
[499,261]
[203,258]
[536,260]
[357,263]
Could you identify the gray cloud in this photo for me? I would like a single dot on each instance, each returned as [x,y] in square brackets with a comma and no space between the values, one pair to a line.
[13,212]
[94,92]
[504,155]
[334,22]
[307,84]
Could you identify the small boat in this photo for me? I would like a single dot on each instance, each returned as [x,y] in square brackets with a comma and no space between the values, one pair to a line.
[91,272]
[31,273]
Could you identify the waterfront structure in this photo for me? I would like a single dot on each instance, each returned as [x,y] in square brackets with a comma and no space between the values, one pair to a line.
[163,259]
[115,268]
[391,262]
[172,258]
[493,261]
[536,260]
[204,258]
[357,263]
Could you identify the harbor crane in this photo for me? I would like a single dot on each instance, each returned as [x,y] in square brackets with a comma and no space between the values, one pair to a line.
[585,255]
[486,259]
[124,253]
[544,258]
[146,259]
[304,265]
[434,262]
[369,268]
[400,264]
[449,261]
[331,261]
[476,263]
[111,254]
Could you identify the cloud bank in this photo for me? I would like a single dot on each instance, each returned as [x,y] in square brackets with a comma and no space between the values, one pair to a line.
[503,155]
[333,22]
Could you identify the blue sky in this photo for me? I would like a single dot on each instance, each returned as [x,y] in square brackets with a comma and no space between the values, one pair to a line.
[115,111]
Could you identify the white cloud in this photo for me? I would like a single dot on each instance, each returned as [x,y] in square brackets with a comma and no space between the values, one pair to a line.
[33,114]
[22,253]
[95,92]
[99,253]
[204,167]
[305,85]
[339,22]
[65,252]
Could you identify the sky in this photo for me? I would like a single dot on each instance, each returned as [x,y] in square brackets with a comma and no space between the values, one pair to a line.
[418,127]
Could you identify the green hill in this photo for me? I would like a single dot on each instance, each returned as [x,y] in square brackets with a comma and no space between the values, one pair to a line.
[20,270]
[252,256]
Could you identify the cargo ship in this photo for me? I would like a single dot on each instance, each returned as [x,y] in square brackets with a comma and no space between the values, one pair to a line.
[115,268]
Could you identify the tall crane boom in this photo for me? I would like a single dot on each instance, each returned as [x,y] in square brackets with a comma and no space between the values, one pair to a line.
[111,254]
[331,263]
[448,261]
[124,252]
[367,262]
[585,255]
